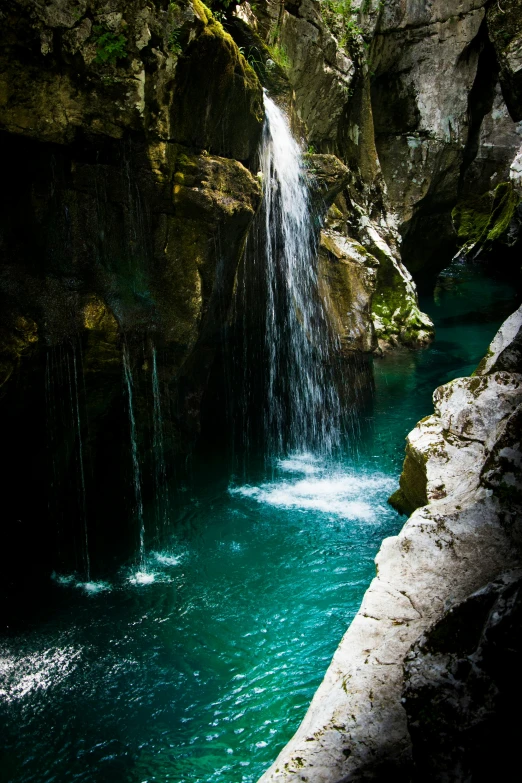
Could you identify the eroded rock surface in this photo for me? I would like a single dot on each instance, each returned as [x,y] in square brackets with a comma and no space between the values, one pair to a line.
[127,130]
[463,686]
[463,534]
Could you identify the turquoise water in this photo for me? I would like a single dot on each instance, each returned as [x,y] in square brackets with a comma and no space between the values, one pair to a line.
[201,668]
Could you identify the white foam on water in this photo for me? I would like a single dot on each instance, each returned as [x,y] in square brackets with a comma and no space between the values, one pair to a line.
[36,671]
[345,495]
[142,578]
[299,463]
[70,580]
[166,559]
[63,579]
[91,588]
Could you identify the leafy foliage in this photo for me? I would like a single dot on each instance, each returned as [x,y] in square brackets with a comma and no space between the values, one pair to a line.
[174,42]
[110,46]
[341,19]
[279,55]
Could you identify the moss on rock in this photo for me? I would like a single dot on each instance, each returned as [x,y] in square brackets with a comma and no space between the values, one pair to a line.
[480,221]
[218,99]
[395,311]
[413,483]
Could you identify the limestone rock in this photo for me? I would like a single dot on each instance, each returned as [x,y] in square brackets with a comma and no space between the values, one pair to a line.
[218,101]
[421,126]
[505,351]
[463,685]
[321,76]
[443,451]
[327,176]
[105,78]
[494,146]
[463,537]
[347,278]
[505,27]
[515,172]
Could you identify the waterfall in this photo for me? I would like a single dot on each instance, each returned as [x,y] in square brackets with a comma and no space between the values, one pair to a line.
[302,408]
[134,452]
[158,449]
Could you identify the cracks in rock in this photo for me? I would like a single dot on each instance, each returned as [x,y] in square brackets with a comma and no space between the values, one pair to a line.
[417,611]
[426,25]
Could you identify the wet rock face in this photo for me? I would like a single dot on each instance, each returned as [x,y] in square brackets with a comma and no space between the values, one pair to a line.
[109,68]
[463,686]
[125,128]
[118,209]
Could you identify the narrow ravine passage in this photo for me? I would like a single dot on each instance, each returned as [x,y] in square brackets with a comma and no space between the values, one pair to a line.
[203,674]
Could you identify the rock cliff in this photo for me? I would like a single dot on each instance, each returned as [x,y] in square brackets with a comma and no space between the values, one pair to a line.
[127,133]
[421,659]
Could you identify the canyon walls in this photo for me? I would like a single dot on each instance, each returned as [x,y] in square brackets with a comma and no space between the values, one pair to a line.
[129,136]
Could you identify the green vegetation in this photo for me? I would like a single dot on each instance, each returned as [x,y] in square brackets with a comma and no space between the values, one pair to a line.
[174,43]
[110,46]
[279,55]
[342,19]
[481,220]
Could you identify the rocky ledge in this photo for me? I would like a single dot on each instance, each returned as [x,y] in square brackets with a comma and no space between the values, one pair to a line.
[375,713]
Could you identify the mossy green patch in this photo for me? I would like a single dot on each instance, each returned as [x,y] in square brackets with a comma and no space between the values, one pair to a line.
[218,98]
[394,308]
[110,46]
[413,484]
[400,503]
[481,220]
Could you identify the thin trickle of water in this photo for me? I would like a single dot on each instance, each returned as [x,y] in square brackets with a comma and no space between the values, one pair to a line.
[66,448]
[134,452]
[302,399]
[76,411]
[160,467]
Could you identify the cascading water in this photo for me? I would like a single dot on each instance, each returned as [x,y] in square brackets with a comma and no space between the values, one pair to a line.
[302,408]
[134,452]
[64,424]
[160,468]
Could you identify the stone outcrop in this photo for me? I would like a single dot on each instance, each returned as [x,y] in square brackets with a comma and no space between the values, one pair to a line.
[462,474]
[463,685]
[151,109]
[436,144]
[99,67]
[421,125]
[505,26]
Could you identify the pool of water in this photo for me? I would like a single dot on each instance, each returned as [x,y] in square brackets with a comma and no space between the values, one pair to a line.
[199,666]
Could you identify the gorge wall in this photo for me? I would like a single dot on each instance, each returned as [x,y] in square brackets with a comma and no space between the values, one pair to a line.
[129,141]
[130,133]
